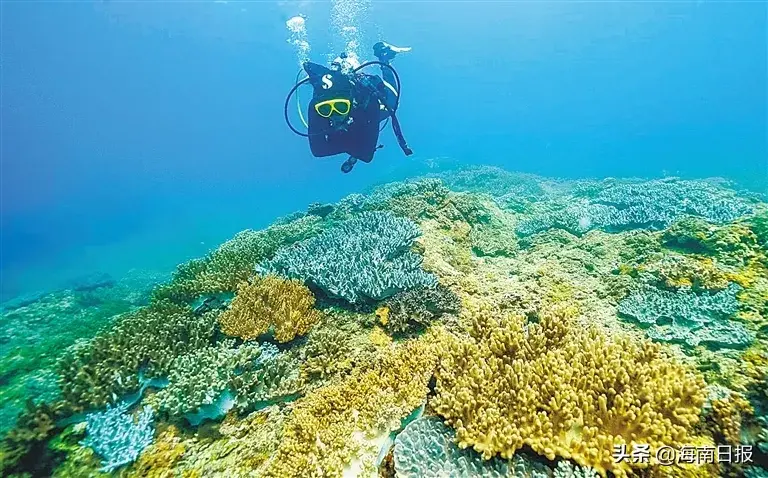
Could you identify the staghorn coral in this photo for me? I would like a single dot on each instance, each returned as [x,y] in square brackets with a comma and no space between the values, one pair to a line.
[563,390]
[146,341]
[417,308]
[233,262]
[687,318]
[566,469]
[364,258]
[117,437]
[198,379]
[286,306]
[332,426]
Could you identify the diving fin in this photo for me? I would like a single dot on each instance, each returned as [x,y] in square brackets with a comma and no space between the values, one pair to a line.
[386,52]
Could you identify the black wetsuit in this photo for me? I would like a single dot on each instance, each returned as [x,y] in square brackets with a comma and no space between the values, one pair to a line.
[356,134]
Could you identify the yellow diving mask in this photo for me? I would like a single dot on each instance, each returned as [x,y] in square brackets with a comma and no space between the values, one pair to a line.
[340,106]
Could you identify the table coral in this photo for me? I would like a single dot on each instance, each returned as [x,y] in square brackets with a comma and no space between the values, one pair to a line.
[617,205]
[285,306]
[364,258]
[563,390]
[688,318]
[426,449]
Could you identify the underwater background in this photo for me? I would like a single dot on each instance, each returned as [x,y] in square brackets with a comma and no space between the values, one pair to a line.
[574,260]
[137,135]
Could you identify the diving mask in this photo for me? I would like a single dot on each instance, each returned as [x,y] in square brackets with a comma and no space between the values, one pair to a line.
[340,106]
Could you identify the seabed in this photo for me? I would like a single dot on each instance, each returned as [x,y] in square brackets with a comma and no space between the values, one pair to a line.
[474,323]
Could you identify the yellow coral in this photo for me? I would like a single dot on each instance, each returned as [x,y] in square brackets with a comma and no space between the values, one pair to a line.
[159,460]
[285,305]
[379,337]
[383,314]
[328,427]
[727,416]
[564,391]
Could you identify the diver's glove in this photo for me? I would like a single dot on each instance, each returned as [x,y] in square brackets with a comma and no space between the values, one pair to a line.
[386,52]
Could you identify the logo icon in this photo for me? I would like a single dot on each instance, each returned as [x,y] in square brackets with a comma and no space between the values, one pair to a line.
[327,83]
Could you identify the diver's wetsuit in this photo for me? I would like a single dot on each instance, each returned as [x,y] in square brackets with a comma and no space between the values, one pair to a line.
[373,100]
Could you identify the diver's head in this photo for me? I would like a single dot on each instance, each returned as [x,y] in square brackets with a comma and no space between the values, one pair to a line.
[336,110]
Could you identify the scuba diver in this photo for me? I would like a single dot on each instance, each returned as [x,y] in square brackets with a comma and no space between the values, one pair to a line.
[347,106]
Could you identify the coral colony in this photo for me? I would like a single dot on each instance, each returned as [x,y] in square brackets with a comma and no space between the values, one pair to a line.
[476,323]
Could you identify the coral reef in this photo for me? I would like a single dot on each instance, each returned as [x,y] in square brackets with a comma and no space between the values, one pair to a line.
[198,379]
[285,306]
[426,448]
[24,447]
[563,391]
[617,205]
[146,341]
[329,428]
[34,331]
[688,318]
[117,437]
[417,308]
[365,258]
[476,322]
[274,378]
[233,262]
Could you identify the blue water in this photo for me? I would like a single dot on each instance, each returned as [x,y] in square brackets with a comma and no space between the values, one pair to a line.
[140,134]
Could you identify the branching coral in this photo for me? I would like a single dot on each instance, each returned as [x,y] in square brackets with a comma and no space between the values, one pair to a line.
[146,341]
[24,447]
[262,382]
[286,306]
[563,390]
[328,353]
[328,427]
[117,437]
[727,415]
[198,378]
[365,258]
[233,262]
[732,243]
[688,318]
[511,190]
[417,308]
